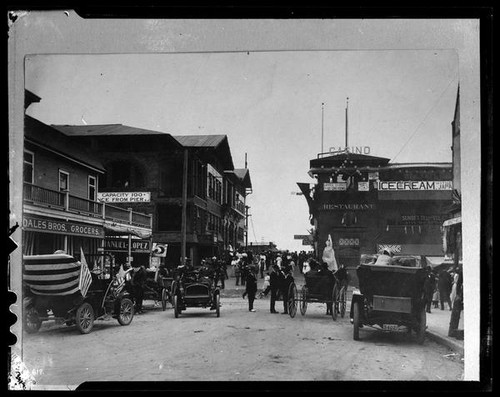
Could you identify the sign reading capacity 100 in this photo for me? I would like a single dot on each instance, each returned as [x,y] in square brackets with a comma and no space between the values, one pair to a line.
[124,197]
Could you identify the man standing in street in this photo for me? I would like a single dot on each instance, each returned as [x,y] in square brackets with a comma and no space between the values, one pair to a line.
[250,288]
[138,281]
[444,286]
[275,287]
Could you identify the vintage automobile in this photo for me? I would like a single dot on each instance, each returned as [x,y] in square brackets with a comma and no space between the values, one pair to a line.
[390,297]
[194,289]
[58,287]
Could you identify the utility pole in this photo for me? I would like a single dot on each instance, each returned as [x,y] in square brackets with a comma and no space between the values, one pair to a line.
[184,207]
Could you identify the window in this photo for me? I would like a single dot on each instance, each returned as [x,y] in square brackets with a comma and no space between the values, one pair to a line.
[92,188]
[63,181]
[29,164]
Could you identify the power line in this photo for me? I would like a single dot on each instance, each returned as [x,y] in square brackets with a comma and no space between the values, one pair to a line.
[425,117]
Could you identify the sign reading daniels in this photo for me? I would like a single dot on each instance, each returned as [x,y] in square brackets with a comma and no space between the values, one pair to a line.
[415,185]
[121,245]
[124,197]
[40,224]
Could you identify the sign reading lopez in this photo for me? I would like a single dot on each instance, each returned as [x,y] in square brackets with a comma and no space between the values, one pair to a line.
[124,197]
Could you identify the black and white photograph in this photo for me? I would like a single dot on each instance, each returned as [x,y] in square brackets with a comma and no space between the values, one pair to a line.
[243,201]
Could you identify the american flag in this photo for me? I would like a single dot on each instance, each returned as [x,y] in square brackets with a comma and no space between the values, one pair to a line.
[85,276]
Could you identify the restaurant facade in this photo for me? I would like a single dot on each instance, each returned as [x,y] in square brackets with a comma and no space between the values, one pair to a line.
[365,204]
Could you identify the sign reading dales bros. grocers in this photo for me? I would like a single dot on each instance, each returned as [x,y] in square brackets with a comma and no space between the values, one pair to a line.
[48,225]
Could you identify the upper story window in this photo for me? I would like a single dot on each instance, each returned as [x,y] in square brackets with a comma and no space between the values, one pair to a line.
[123,174]
[29,167]
[63,181]
[92,191]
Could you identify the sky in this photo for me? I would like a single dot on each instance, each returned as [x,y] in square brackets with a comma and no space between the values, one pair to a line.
[269,104]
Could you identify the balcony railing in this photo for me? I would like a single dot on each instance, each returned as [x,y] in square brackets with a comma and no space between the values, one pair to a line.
[66,202]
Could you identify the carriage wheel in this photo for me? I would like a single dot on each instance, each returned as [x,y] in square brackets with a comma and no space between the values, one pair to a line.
[164,299]
[85,318]
[335,295]
[303,300]
[32,322]
[292,300]
[126,313]
[342,301]
[175,304]
[422,326]
[217,305]
[355,322]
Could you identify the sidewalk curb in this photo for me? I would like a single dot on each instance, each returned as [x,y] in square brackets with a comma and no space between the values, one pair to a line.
[455,346]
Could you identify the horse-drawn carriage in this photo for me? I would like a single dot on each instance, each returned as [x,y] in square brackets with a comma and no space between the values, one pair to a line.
[158,287]
[323,286]
[193,288]
[58,287]
[390,297]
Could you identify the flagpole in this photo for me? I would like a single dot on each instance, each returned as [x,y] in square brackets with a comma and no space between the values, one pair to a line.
[322,124]
[346,123]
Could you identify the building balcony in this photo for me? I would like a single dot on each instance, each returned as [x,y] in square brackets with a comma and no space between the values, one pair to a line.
[63,201]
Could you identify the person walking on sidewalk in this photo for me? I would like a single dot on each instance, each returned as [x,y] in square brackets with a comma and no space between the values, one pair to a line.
[429,285]
[458,306]
[250,287]
[444,286]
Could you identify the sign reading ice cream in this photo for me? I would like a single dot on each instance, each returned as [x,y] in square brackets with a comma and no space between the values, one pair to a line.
[124,197]
[414,185]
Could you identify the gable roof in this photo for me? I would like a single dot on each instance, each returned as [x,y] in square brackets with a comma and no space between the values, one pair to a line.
[242,175]
[209,147]
[45,136]
[104,129]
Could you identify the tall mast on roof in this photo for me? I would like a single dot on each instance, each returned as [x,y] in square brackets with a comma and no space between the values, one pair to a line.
[347,123]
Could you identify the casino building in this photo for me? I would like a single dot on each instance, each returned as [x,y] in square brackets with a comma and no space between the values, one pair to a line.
[366,203]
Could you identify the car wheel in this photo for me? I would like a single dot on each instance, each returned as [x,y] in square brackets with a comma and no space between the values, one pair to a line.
[335,294]
[356,319]
[422,326]
[126,313]
[175,303]
[84,318]
[164,299]
[292,300]
[303,300]
[217,305]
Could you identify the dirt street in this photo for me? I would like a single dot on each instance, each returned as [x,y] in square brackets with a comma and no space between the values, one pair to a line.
[238,346]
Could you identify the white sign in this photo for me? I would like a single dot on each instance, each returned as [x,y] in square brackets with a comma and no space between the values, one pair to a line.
[349,241]
[159,250]
[364,186]
[414,185]
[334,186]
[373,175]
[124,197]
[396,248]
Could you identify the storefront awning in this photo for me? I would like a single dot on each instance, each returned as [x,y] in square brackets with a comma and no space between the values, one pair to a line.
[452,221]
[125,230]
[434,261]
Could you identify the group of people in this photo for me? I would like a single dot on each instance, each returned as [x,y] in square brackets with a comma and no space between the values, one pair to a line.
[440,289]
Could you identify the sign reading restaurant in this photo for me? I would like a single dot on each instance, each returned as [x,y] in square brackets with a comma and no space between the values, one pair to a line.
[348,207]
[40,224]
[414,185]
[124,197]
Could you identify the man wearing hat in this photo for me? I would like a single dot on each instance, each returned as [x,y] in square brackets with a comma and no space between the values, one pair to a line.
[138,281]
[274,282]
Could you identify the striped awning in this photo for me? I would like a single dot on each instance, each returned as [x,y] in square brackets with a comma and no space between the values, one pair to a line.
[52,274]
[452,221]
